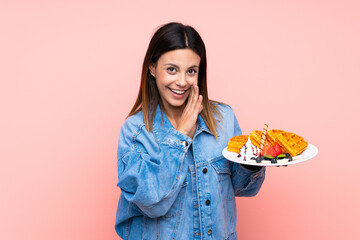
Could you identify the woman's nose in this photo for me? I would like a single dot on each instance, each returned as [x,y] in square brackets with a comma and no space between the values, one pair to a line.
[182,80]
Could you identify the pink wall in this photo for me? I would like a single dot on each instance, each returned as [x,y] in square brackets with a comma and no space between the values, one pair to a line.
[70,72]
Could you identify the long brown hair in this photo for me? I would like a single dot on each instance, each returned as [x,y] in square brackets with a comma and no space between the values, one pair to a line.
[169,37]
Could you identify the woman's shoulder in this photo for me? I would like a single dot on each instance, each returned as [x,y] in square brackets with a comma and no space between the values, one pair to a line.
[224,108]
[133,122]
[228,120]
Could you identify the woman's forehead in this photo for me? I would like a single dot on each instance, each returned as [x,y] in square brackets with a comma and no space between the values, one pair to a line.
[180,57]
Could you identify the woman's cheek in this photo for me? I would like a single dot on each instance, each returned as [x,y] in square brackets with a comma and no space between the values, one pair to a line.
[193,79]
[161,74]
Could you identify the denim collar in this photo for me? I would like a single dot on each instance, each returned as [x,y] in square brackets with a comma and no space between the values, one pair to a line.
[162,124]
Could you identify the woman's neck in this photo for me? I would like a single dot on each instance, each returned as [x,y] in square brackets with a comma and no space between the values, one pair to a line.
[174,115]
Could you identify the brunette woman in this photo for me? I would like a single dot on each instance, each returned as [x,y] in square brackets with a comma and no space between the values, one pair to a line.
[174,181]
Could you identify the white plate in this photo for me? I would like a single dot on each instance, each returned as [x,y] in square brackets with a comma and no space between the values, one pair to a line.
[310,152]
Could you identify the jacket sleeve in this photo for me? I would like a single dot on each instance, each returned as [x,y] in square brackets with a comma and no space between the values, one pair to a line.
[247,180]
[151,181]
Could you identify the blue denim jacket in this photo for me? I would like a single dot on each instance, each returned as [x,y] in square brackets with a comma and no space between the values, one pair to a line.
[175,187]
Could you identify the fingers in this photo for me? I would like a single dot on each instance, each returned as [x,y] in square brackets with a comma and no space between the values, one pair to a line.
[199,105]
[193,96]
[197,99]
[196,103]
[187,124]
[190,98]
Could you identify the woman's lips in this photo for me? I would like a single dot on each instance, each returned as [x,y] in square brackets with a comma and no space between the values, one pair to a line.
[180,92]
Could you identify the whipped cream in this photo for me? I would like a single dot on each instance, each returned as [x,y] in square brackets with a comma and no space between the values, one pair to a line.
[248,151]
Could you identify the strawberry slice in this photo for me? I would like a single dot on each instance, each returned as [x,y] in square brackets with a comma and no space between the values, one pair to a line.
[271,151]
[277,149]
[266,148]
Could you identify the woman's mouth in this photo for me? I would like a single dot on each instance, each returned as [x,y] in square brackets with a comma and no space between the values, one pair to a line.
[178,92]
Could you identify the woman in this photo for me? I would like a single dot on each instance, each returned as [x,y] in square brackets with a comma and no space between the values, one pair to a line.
[174,181]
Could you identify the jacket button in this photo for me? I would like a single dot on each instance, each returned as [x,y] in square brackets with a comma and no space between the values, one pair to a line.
[207,202]
[209,232]
[205,170]
[184,143]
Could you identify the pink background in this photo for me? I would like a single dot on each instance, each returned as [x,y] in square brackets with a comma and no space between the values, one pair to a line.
[70,72]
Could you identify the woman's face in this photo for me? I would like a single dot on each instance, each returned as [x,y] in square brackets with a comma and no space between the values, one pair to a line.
[175,72]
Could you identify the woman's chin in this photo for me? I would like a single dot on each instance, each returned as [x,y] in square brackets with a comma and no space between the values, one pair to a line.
[176,105]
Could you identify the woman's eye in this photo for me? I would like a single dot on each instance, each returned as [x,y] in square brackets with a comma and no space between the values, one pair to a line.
[192,71]
[171,69]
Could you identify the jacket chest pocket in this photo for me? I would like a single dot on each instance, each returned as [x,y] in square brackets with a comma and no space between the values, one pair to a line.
[223,172]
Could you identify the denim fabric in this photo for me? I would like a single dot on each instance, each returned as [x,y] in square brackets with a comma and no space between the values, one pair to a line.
[175,187]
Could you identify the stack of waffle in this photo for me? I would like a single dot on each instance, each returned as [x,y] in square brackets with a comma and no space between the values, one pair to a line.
[289,142]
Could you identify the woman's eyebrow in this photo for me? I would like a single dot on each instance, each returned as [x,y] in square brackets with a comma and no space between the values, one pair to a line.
[174,65]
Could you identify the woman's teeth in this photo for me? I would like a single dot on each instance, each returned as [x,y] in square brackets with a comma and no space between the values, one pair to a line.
[177,91]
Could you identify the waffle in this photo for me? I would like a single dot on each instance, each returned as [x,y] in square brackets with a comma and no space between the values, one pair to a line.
[272,136]
[255,138]
[291,143]
[237,142]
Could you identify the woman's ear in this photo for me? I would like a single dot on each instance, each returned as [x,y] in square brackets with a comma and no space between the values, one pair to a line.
[152,69]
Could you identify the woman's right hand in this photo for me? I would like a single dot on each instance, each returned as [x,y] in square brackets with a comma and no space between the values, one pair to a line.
[187,124]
